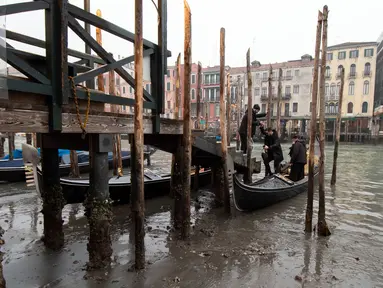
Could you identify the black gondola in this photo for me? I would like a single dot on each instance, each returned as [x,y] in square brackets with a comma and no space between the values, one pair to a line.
[267,191]
[75,190]
[14,170]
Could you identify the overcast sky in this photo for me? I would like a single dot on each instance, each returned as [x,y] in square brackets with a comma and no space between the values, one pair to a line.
[275,30]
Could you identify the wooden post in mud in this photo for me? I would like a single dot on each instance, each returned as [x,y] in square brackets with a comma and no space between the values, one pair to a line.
[224,183]
[137,145]
[337,131]
[74,169]
[11,145]
[310,194]
[53,199]
[322,228]
[2,279]
[175,180]
[270,98]
[185,228]
[2,141]
[247,176]
[28,137]
[239,102]
[279,100]
[199,95]
[228,109]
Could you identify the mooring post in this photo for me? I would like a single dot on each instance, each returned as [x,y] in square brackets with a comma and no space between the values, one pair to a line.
[98,205]
[53,199]
[323,229]
[278,127]
[224,183]
[239,102]
[11,145]
[199,76]
[74,169]
[228,109]
[313,127]
[270,98]
[186,158]
[247,177]
[175,182]
[138,202]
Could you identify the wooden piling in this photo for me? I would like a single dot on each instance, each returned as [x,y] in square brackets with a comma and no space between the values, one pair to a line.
[228,109]
[270,97]
[248,175]
[239,102]
[175,180]
[137,175]
[222,114]
[28,137]
[11,145]
[74,169]
[310,194]
[199,95]
[322,227]
[337,130]
[53,200]
[98,207]
[2,242]
[185,228]
[279,100]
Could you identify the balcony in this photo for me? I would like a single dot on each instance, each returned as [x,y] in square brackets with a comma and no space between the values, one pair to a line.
[287,77]
[327,76]
[367,73]
[331,97]
[352,75]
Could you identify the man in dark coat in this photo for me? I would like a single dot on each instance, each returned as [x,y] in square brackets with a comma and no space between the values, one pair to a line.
[243,128]
[273,150]
[298,160]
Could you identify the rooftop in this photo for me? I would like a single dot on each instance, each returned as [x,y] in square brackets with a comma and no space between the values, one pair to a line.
[347,45]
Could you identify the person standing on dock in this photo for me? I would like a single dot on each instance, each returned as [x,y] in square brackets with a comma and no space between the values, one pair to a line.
[298,160]
[243,128]
[273,150]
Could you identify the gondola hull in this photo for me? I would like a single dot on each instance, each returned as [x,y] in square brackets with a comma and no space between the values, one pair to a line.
[266,192]
[14,171]
[75,190]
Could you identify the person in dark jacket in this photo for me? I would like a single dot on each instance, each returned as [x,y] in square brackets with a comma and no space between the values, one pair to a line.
[273,150]
[298,160]
[243,128]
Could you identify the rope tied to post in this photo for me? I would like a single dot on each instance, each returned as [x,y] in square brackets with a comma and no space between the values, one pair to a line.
[82,125]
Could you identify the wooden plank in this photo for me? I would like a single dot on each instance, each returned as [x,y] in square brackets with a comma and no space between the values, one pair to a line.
[29,121]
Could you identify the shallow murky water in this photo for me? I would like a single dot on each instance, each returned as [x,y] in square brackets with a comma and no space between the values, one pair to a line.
[266,248]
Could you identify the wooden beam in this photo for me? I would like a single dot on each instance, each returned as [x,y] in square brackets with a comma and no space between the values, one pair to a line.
[30,121]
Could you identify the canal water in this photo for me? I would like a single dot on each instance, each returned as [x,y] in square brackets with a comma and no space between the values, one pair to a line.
[267,248]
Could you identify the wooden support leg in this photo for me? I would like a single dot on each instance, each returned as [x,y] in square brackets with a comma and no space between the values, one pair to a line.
[98,206]
[74,169]
[176,186]
[219,182]
[137,201]
[53,200]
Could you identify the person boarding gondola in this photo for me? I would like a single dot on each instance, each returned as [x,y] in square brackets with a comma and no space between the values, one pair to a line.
[298,160]
[273,150]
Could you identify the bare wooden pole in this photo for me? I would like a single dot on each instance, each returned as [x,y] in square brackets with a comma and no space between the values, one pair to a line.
[270,98]
[185,228]
[278,127]
[239,102]
[11,145]
[322,225]
[310,194]
[337,131]
[248,175]
[228,108]
[138,206]
[224,131]
[199,94]
[178,88]
[74,169]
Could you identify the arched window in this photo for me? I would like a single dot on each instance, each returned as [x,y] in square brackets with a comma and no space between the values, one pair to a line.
[332,89]
[352,70]
[326,89]
[350,107]
[364,107]
[366,87]
[331,108]
[351,88]
[328,71]
[367,69]
[340,67]
[337,89]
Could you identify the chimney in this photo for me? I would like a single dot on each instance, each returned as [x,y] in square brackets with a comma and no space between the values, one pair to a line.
[256,63]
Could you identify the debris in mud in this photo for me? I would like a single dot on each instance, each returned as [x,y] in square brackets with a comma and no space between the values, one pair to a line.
[205,254]
[150,228]
[177,280]
[225,255]
[298,278]
[357,258]
[207,232]
[334,277]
